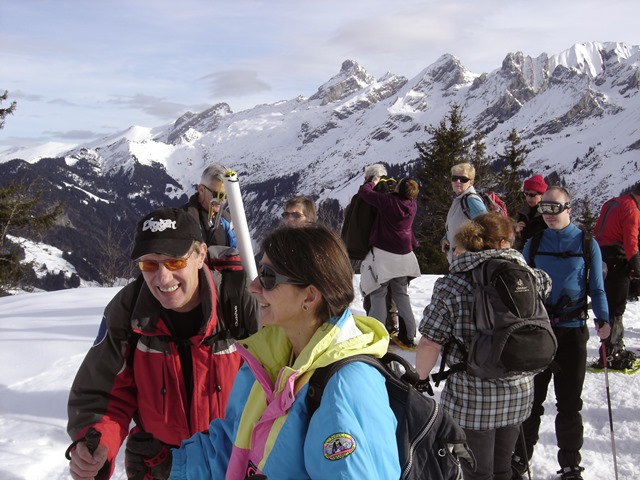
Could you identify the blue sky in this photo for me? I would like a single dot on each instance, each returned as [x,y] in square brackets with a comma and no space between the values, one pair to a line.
[82,69]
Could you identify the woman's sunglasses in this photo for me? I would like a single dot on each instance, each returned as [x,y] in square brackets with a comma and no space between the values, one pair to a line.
[531,194]
[552,208]
[459,178]
[270,279]
[172,264]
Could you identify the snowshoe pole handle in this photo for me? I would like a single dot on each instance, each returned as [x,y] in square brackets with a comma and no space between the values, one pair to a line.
[92,440]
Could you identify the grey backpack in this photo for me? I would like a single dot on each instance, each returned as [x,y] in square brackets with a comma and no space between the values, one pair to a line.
[514,334]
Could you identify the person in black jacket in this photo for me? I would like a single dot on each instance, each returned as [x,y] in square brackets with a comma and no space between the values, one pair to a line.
[208,206]
[530,220]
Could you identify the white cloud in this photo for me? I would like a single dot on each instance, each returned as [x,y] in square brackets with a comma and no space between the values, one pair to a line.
[151,56]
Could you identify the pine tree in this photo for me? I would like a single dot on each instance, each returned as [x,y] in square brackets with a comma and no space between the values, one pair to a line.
[485,178]
[509,177]
[5,111]
[446,147]
[587,219]
[21,214]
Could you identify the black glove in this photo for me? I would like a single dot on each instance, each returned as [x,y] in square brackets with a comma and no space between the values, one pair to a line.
[634,267]
[424,386]
[146,455]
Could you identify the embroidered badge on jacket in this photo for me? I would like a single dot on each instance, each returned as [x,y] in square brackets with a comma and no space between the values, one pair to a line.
[338,445]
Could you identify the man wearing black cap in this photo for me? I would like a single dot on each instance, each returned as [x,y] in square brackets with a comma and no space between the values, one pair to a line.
[164,357]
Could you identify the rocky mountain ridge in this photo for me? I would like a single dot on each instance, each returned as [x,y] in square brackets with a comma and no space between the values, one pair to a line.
[577,112]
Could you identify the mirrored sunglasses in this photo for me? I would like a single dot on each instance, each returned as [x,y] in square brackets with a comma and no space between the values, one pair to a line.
[458,178]
[172,264]
[295,215]
[552,208]
[531,194]
[270,279]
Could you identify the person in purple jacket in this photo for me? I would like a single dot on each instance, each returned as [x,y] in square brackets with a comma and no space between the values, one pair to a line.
[391,263]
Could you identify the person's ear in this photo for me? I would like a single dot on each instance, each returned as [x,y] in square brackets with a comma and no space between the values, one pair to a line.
[202,254]
[312,298]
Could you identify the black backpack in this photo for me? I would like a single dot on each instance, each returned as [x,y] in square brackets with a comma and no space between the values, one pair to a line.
[226,260]
[430,442]
[514,334]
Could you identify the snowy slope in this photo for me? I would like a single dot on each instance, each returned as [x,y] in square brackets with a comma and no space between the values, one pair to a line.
[44,337]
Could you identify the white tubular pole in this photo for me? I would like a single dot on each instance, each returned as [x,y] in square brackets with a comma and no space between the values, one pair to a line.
[240,227]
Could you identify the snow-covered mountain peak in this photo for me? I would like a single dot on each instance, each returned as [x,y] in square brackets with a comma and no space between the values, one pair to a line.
[354,119]
[590,57]
[447,72]
[575,112]
[352,77]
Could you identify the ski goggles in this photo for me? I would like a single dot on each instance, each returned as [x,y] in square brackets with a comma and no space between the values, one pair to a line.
[172,264]
[270,279]
[459,178]
[552,208]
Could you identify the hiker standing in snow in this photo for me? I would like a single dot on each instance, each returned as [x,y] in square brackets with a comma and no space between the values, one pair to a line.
[299,212]
[489,410]
[356,229]
[462,177]
[530,221]
[391,263]
[207,206]
[567,308]
[304,288]
[164,356]
[359,216]
[617,234]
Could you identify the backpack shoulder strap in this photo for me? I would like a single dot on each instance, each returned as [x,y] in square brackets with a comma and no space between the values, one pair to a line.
[608,207]
[461,366]
[384,365]
[227,263]
[587,239]
[464,203]
[321,376]
[231,289]
[458,367]
[533,250]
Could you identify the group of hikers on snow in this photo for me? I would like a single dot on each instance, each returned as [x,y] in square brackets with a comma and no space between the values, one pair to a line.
[206,373]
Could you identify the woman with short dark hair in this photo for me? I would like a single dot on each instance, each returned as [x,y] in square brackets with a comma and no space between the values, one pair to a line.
[304,288]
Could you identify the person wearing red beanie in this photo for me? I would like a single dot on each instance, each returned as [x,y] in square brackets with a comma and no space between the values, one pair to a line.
[529,220]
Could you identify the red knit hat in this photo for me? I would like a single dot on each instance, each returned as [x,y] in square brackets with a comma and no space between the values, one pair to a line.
[536,184]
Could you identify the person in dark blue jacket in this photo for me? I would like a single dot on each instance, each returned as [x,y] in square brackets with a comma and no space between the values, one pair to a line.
[567,308]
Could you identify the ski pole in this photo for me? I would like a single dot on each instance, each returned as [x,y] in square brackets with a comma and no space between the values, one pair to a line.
[525,453]
[606,382]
